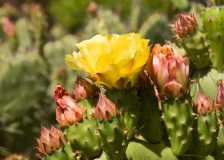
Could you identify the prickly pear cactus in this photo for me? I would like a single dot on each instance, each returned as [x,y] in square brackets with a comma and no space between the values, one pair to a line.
[135,102]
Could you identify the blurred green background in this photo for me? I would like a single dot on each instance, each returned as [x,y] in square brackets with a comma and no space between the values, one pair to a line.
[35,35]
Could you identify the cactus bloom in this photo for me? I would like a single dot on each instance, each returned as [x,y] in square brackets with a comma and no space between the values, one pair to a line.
[114,60]
[203,104]
[83,89]
[49,141]
[170,71]
[67,110]
[185,25]
[219,101]
[105,108]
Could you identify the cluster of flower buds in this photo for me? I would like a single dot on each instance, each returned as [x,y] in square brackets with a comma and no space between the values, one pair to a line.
[170,71]
[185,25]
[105,108]
[67,110]
[50,140]
[203,104]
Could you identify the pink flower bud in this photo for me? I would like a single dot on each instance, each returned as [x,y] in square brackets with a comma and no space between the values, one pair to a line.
[8,27]
[203,104]
[92,7]
[169,70]
[105,109]
[219,101]
[67,110]
[185,25]
[49,141]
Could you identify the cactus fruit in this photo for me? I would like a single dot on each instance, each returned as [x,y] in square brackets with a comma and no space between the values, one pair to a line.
[213,28]
[207,127]
[177,116]
[188,30]
[109,126]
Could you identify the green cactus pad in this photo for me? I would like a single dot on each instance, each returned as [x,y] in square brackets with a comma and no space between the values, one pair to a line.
[207,131]
[84,137]
[138,151]
[177,116]
[213,22]
[197,49]
[113,138]
[151,124]
[220,143]
[61,154]
[127,101]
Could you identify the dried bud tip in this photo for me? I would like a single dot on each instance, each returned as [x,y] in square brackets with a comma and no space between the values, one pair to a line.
[105,108]
[203,104]
[49,141]
[219,101]
[185,25]
[83,89]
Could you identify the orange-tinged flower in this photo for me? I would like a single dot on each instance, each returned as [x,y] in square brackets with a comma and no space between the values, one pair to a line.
[169,70]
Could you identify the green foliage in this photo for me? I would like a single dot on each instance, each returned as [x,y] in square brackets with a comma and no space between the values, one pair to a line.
[213,20]
[70,13]
[22,99]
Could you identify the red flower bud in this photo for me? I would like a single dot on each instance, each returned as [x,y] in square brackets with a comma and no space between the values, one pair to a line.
[49,141]
[67,110]
[105,108]
[219,101]
[185,25]
[170,71]
[203,104]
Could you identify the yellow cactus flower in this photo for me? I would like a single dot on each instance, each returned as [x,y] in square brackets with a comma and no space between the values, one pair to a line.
[114,60]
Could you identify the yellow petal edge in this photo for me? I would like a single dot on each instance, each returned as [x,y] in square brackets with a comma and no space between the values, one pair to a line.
[115,59]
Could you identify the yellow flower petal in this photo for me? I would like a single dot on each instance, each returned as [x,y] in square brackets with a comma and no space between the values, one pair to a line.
[116,59]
